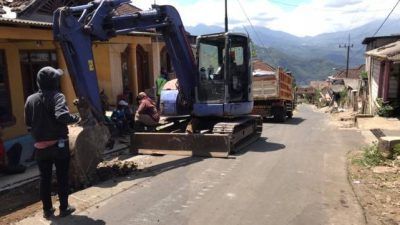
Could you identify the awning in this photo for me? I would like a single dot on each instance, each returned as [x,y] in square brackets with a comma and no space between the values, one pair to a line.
[390,52]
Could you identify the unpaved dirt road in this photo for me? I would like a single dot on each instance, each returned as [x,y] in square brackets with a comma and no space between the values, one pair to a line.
[296,174]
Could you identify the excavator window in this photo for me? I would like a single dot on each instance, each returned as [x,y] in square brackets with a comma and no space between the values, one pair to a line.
[211,88]
[237,76]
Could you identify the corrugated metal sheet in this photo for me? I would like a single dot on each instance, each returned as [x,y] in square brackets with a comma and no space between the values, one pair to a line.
[390,51]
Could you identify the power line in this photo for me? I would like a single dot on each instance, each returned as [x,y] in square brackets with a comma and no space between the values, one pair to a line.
[387,17]
[251,24]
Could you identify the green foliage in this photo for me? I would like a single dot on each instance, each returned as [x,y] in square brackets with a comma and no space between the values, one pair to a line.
[343,97]
[253,50]
[364,75]
[371,156]
[385,109]
[396,151]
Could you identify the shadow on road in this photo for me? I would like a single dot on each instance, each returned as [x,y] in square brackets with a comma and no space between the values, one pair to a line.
[293,121]
[154,170]
[261,146]
[76,220]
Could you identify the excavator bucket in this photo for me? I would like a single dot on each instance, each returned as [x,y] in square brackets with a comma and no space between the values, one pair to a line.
[204,145]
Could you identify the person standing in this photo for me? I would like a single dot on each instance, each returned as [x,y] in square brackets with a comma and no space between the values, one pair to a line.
[47,117]
[160,82]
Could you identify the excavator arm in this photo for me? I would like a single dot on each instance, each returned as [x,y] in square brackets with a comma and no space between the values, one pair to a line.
[76,28]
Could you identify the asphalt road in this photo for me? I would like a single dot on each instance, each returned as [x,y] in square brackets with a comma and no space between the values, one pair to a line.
[296,174]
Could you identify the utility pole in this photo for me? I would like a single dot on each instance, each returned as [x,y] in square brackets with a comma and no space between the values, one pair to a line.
[347,46]
[226,15]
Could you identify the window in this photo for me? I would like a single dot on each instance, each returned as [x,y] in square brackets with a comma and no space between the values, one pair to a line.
[5,100]
[31,63]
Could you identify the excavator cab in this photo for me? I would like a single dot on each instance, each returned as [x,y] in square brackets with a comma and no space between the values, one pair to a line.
[224,75]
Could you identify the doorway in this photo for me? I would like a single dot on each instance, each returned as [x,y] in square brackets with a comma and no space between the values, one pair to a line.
[31,63]
[142,62]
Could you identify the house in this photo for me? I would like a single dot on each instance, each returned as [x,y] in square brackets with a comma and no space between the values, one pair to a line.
[376,42]
[383,70]
[26,44]
[305,94]
[347,83]
[323,88]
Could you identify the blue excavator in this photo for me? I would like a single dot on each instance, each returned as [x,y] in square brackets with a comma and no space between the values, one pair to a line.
[215,84]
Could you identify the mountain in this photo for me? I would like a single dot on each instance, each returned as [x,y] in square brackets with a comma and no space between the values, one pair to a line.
[309,58]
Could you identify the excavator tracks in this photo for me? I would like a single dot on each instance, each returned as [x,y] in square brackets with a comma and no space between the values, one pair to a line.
[225,138]
[242,132]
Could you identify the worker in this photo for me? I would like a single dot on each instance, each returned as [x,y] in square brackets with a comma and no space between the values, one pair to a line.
[47,117]
[122,117]
[147,113]
[160,82]
[9,160]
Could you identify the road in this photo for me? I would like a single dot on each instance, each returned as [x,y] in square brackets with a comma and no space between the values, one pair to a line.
[296,174]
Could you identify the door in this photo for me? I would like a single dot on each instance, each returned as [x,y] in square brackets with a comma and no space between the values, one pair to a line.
[142,69]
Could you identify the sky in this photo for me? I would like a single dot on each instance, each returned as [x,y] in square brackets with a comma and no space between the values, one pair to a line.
[297,17]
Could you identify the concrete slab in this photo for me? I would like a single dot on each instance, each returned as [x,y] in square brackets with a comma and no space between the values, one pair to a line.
[377,122]
[386,145]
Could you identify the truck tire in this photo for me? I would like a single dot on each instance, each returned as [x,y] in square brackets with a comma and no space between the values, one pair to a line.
[289,114]
[280,115]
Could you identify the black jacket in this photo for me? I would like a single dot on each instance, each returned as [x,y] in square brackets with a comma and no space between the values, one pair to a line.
[46,112]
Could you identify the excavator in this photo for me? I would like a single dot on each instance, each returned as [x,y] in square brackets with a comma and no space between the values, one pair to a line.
[215,85]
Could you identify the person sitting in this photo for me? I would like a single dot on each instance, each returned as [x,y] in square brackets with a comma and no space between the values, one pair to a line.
[119,118]
[9,160]
[147,113]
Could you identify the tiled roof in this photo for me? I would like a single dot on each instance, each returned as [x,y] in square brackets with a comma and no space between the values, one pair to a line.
[260,65]
[17,5]
[353,73]
[24,8]
[126,9]
[319,84]
[24,22]
[305,90]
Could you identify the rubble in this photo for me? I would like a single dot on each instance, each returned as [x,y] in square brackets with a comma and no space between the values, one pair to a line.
[115,168]
[384,169]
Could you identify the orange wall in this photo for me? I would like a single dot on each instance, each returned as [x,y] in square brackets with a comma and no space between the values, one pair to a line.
[19,42]
[15,83]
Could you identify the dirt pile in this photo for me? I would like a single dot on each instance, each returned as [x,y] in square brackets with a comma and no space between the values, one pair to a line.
[115,168]
[377,188]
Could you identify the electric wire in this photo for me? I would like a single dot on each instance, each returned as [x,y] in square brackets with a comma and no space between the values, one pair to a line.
[251,24]
[387,17]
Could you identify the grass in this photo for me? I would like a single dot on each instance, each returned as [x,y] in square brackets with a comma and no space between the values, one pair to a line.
[371,156]
[396,151]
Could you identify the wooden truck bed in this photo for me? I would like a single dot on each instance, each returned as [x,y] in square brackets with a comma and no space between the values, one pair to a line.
[270,87]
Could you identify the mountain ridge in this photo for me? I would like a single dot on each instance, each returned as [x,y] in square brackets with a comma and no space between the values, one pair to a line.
[298,53]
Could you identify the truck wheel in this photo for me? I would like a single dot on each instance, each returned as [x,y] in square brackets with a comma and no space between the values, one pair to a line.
[280,115]
[289,114]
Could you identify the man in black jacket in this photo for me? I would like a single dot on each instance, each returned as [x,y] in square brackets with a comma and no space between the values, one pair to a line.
[47,117]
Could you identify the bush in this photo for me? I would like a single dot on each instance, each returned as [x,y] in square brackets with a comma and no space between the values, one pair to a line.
[396,151]
[364,75]
[385,109]
[372,156]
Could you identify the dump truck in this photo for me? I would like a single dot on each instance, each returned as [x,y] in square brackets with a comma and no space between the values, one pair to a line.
[273,94]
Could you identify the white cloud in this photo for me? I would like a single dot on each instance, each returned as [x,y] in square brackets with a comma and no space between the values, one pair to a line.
[315,17]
